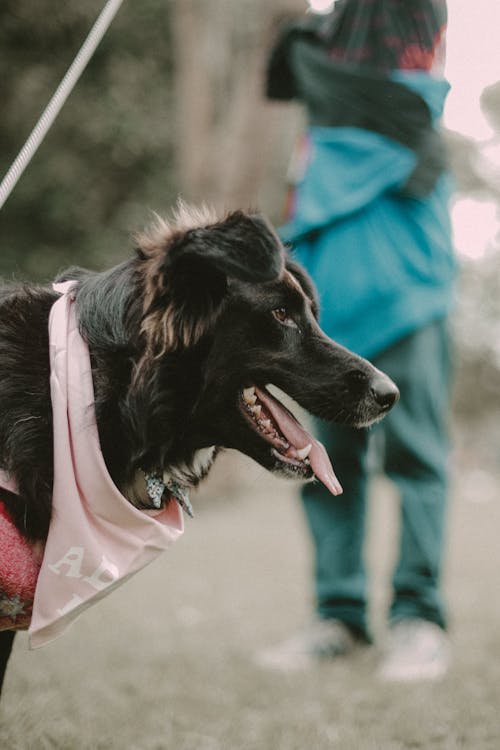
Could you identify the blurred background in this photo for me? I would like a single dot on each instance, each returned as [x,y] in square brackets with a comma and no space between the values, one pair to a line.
[171,104]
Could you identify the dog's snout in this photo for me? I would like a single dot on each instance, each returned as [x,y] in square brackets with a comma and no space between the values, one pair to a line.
[384,391]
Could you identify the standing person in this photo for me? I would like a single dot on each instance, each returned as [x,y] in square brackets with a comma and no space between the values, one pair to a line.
[370,223]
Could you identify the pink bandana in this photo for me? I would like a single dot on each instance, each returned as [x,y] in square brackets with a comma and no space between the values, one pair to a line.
[97,539]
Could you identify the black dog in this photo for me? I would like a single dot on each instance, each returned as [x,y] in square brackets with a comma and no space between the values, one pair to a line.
[183,339]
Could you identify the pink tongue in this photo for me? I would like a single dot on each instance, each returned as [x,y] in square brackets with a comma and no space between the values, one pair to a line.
[299,438]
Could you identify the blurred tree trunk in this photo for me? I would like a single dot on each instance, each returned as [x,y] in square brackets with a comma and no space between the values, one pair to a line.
[231,143]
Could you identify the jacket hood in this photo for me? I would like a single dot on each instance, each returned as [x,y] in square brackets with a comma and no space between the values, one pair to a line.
[433,90]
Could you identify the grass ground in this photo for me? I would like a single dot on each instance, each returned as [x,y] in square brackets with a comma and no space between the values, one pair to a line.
[166,662]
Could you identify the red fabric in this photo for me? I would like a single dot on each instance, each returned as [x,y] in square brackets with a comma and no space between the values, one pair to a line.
[19,568]
[386,35]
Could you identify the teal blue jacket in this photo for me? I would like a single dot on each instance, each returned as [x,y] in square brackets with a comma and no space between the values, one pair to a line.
[382,260]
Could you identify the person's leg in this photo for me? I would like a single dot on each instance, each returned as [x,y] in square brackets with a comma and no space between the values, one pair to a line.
[337,525]
[416,460]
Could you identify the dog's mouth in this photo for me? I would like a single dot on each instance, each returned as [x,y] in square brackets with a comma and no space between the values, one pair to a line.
[296,450]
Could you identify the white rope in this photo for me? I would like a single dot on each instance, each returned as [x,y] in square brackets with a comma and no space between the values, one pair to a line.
[55,105]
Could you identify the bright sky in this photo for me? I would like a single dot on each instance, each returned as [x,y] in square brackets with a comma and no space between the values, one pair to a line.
[473,62]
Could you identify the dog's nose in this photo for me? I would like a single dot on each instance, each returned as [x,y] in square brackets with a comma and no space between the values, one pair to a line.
[384,391]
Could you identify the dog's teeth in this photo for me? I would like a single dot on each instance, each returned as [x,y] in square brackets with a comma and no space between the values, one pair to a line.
[303,453]
[266,424]
[249,395]
[256,410]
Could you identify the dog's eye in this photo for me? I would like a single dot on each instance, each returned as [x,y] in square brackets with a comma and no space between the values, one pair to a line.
[281,314]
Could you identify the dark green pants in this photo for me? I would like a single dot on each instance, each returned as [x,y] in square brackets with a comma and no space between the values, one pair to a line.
[415,457]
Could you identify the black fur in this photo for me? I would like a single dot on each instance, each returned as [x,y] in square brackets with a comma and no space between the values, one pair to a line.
[25,415]
[175,333]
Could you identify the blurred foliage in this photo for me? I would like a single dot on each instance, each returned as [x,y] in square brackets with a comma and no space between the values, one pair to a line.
[170,103]
[108,156]
[476,328]
[476,323]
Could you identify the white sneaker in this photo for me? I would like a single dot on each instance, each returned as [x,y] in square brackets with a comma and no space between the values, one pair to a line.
[322,640]
[416,650]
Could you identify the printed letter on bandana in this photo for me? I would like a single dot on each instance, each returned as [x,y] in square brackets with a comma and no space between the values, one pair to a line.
[105,574]
[73,559]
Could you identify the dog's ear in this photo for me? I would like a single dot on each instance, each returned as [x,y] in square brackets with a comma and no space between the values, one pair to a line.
[187,267]
[242,246]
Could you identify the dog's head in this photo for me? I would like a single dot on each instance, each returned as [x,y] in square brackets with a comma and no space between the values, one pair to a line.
[227,312]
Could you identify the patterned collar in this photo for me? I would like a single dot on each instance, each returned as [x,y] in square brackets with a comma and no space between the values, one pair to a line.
[156,487]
